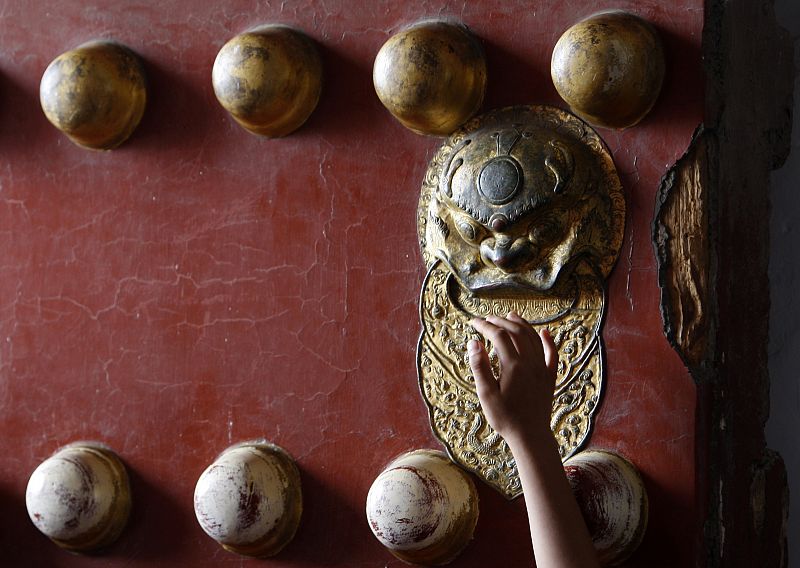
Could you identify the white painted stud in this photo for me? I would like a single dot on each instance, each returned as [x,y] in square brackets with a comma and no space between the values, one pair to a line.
[613,500]
[249,500]
[423,508]
[80,497]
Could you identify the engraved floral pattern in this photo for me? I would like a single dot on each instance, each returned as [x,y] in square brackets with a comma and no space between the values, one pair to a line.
[448,387]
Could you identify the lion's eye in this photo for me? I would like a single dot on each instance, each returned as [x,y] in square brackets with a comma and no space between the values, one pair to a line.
[543,230]
[468,229]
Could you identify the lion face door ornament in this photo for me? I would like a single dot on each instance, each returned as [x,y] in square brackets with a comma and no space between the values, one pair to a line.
[521,209]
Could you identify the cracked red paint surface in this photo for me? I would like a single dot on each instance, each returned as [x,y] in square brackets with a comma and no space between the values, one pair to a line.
[201,286]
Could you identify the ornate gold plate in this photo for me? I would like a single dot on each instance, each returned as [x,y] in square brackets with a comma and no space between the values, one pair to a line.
[520,210]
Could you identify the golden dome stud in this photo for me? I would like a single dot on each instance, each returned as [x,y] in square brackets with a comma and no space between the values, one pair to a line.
[609,68]
[269,79]
[95,94]
[431,76]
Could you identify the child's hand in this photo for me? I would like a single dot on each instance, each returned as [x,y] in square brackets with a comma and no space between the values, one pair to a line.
[519,402]
[518,406]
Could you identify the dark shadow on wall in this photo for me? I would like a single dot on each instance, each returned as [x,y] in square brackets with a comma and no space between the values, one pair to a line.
[783,427]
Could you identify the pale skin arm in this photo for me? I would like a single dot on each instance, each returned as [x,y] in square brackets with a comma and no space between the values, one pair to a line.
[517,405]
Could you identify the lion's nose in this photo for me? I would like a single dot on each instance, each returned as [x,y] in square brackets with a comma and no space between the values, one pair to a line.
[503,255]
[502,241]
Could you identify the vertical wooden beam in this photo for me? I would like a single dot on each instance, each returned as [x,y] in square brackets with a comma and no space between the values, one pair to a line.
[711,235]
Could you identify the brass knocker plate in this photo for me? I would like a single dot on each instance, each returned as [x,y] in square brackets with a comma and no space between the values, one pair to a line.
[521,210]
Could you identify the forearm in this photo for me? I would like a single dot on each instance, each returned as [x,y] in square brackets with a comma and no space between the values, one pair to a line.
[558,531]
[517,405]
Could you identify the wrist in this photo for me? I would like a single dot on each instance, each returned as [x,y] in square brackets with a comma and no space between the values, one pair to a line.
[532,439]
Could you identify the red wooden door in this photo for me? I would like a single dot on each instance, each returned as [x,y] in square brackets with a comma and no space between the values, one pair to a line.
[200,285]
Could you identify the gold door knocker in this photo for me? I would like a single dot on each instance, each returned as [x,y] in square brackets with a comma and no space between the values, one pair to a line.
[521,209]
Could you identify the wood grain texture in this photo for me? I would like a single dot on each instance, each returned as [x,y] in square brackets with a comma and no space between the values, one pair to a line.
[681,240]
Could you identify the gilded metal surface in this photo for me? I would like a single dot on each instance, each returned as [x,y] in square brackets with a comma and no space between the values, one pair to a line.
[95,94]
[269,79]
[520,210]
[431,77]
[609,68]
[681,237]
